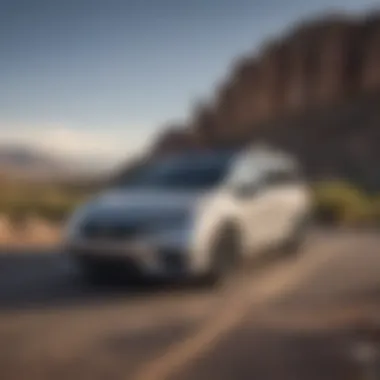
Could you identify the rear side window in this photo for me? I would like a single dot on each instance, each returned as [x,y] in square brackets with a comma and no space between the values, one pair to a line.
[282,177]
[244,172]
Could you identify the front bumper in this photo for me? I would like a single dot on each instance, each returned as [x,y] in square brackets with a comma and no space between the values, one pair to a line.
[143,258]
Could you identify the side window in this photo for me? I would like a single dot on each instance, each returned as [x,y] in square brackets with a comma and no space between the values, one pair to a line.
[246,178]
[281,177]
[243,172]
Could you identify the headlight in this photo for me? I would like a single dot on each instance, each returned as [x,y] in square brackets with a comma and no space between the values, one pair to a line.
[73,223]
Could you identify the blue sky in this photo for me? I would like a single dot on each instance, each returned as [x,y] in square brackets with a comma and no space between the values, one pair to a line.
[87,77]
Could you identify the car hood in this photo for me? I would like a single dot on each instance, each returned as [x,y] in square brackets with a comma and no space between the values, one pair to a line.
[141,204]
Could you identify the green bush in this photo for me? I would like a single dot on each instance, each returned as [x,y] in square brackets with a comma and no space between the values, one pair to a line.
[376,208]
[343,204]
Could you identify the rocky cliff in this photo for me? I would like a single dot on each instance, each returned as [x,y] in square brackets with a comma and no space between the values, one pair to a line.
[319,63]
[314,91]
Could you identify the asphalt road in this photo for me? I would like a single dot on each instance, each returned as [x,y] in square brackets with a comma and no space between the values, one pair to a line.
[289,318]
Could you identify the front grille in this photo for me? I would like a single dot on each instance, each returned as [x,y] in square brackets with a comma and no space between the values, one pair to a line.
[110,231]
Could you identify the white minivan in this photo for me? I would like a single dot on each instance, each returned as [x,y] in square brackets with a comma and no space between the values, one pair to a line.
[194,214]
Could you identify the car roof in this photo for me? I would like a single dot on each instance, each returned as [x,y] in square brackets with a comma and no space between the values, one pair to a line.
[268,157]
[262,156]
[202,156]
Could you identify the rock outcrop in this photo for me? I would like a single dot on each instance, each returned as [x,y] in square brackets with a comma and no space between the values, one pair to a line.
[322,62]
[313,91]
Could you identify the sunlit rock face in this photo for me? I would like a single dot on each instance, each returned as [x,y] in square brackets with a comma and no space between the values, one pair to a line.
[314,90]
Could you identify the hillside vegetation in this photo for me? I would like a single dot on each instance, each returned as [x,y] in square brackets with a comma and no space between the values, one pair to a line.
[51,201]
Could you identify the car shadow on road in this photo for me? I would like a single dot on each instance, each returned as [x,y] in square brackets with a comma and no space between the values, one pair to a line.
[39,280]
[49,280]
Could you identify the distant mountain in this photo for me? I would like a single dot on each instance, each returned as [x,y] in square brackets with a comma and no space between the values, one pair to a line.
[27,163]
[19,160]
[24,157]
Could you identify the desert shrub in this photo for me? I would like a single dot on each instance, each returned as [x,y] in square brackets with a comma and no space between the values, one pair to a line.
[53,204]
[342,203]
[376,208]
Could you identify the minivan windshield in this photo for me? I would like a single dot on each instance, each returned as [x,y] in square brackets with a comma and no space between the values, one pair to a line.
[182,173]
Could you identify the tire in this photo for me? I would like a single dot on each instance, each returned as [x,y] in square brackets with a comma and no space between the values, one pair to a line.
[95,272]
[225,256]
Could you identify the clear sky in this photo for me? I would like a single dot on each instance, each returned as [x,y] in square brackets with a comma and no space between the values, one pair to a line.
[102,76]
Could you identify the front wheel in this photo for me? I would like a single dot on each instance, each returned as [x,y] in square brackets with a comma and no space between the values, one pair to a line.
[94,272]
[225,256]
[295,242]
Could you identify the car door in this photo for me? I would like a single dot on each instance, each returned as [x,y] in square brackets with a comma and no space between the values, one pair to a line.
[280,203]
[263,212]
[246,191]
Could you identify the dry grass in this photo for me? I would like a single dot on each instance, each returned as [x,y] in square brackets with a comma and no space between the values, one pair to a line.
[34,232]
